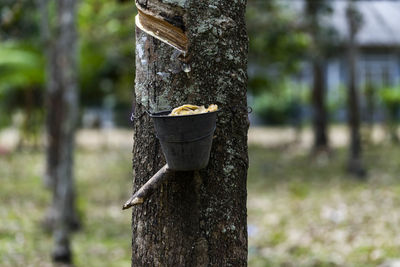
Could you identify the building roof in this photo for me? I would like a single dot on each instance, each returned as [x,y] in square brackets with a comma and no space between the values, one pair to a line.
[381,22]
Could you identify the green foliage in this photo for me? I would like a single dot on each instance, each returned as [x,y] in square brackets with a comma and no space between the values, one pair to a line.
[106,54]
[391,99]
[324,38]
[282,104]
[21,77]
[259,84]
[277,43]
[106,51]
[21,66]
[280,40]
[337,98]
[271,108]
[17,20]
[21,63]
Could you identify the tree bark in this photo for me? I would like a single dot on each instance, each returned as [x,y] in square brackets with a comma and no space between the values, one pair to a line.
[315,9]
[319,110]
[53,104]
[369,93]
[195,218]
[355,165]
[62,110]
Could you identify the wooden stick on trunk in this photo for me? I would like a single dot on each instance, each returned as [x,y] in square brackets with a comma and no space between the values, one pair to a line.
[148,188]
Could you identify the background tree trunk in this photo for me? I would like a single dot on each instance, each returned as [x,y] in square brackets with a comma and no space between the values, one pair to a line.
[319,110]
[370,96]
[62,111]
[315,9]
[355,162]
[196,218]
[53,106]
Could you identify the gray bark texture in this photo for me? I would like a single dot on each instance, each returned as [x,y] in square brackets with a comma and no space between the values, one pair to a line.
[62,110]
[195,218]
[355,165]
[66,62]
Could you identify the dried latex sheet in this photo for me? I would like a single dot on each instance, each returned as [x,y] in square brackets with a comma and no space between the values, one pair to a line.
[192,109]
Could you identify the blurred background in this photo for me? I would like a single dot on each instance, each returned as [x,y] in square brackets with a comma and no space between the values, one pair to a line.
[324,88]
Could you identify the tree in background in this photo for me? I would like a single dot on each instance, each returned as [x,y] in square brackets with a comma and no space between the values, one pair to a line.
[315,10]
[277,43]
[391,100]
[105,62]
[105,56]
[370,104]
[277,46]
[62,113]
[21,74]
[354,21]
[196,218]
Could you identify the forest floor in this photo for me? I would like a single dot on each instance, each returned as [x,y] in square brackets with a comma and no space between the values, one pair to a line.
[302,211]
[307,212]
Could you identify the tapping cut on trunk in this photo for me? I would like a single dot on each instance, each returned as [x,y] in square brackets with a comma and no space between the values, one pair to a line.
[162,30]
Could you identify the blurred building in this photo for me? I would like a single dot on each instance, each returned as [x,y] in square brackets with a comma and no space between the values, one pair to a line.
[378,41]
[378,59]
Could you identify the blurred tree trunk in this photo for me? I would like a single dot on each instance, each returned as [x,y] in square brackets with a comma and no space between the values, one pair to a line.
[195,218]
[355,165]
[392,125]
[62,111]
[319,109]
[314,10]
[53,96]
[370,95]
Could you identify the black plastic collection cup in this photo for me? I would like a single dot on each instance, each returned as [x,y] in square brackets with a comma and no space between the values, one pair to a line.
[185,139]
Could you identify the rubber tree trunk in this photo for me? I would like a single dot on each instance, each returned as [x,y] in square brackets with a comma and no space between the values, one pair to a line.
[53,98]
[320,115]
[314,10]
[355,165]
[62,108]
[369,93]
[195,218]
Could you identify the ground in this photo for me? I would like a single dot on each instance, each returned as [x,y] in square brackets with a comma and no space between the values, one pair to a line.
[302,211]
[104,182]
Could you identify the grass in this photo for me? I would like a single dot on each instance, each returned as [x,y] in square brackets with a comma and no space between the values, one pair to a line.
[304,212]
[301,212]
[102,179]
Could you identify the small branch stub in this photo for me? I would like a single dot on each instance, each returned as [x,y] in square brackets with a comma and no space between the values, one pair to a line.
[148,188]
